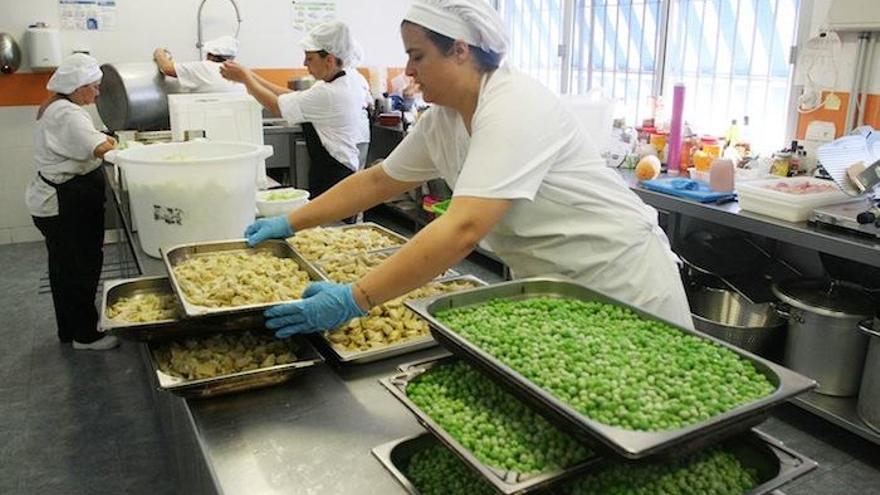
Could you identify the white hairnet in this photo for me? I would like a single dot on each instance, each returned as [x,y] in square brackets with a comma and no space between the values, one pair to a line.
[76,70]
[334,38]
[224,46]
[473,21]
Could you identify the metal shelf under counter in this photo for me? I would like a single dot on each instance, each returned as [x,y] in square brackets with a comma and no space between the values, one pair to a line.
[838,410]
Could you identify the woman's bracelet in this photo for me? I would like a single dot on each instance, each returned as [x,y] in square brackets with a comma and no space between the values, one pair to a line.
[366,296]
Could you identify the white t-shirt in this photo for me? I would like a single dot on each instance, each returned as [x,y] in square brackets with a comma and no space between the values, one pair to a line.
[337,110]
[204,77]
[64,145]
[570,214]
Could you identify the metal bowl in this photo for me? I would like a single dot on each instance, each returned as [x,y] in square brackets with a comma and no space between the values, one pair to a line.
[724,314]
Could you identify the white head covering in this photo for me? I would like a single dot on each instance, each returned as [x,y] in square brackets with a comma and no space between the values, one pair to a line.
[473,21]
[76,70]
[224,46]
[333,37]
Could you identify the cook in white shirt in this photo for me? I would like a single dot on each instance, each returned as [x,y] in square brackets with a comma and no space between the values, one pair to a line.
[333,112]
[523,174]
[202,76]
[66,199]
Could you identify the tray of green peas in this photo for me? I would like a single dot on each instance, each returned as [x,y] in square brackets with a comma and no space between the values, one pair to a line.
[508,444]
[604,370]
[752,463]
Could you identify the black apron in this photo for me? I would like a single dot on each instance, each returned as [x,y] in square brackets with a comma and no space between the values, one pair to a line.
[325,171]
[75,240]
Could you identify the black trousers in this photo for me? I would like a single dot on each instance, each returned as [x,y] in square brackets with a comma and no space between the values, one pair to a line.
[74,241]
[325,171]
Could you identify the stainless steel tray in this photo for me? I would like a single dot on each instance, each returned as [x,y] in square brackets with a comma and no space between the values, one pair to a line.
[236,382]
[174,255]
[394,236]
[114,290]
[157,331]
[774,463]
[412,345]
[627,443]
[384,254]
[507,482]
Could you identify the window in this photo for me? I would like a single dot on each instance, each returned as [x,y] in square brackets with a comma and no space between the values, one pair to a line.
[732,55]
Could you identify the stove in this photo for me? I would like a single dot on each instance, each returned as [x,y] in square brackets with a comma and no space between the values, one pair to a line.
[859,216]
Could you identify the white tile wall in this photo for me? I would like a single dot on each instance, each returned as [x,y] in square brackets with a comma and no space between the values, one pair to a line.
[16,170]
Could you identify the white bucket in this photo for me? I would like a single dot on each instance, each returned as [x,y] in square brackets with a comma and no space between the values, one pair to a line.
[190,192]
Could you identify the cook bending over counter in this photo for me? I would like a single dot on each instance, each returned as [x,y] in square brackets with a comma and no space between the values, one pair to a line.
[539,194]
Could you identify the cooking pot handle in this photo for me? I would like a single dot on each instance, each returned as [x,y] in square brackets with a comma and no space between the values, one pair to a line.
[782,309]
[867,326]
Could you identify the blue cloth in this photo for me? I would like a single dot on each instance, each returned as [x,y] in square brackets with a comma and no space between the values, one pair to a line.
[686,188]
[324,306]
[268,228]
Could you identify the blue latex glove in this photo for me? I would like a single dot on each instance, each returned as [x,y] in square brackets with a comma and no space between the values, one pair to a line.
[268,228]
[324,306]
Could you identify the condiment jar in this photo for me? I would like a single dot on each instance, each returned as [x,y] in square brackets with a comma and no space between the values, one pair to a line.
[721,175]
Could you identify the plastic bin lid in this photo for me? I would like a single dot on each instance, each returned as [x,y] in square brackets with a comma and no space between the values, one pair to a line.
[820,296]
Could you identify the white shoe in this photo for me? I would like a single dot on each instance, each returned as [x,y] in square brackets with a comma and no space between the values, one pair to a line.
[102,344]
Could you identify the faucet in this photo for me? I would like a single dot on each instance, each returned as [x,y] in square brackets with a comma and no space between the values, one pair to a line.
[199,43]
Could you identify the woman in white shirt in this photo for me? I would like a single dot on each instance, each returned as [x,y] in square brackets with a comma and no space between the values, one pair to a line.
[524,176]
[202,76]
[66,199]
[333,112]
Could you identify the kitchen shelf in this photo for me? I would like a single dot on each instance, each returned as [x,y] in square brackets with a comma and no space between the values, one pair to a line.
[840,411]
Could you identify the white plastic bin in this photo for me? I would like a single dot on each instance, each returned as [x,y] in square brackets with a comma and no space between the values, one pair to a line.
[755,196]
[232,117]
[190,192]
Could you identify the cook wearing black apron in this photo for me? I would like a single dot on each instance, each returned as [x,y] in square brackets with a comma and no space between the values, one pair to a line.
[325,171]
[74,240]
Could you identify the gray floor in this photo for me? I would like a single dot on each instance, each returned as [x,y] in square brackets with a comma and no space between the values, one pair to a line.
[82,422]
[71,422]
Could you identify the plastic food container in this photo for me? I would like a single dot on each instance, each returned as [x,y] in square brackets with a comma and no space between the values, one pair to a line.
[281,201]
[758,197]
[190,192]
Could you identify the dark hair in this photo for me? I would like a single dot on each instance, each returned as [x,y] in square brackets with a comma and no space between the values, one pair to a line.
[218,58]
[324,53]
[486,61]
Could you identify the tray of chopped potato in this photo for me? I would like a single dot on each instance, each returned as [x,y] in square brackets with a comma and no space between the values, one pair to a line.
[389,329]
[229,277]
[219,364]
[349,268]
[146,309]
[319,243]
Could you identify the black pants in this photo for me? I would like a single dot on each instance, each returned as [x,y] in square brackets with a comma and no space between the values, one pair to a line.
[325,171]
[74,240]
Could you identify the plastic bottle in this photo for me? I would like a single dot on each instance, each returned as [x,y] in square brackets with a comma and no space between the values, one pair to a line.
[721,175]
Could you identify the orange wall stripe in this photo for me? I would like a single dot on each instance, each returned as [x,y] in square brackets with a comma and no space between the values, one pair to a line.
[23,89]
[29,88]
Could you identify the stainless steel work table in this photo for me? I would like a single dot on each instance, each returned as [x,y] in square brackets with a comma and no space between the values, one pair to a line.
[854,247]
[312,435]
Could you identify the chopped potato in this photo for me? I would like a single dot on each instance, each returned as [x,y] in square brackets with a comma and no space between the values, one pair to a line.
[143,308]
[240,278]
[221,354]
[391,323]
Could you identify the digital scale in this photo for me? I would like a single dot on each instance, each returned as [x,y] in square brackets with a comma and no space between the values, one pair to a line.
[859,216]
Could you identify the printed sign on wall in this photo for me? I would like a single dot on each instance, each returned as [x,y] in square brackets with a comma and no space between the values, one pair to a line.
[88,15]
[309,13]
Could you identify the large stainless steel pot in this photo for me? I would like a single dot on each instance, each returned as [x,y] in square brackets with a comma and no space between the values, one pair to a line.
[135,96]
[824,341]
[724,314]
[10,54]
[869,393]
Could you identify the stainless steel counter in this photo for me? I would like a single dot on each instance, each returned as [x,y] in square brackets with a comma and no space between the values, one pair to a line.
[824,239]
